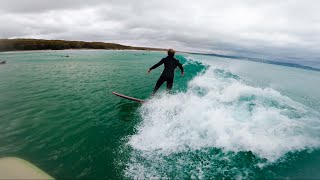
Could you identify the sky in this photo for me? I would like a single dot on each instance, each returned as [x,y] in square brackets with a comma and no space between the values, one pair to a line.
[288,29]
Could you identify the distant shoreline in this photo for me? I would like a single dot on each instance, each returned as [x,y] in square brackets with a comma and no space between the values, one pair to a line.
[38,45]
[43,44]
[50,50]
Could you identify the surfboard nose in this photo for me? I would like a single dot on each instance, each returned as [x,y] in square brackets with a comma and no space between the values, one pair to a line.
[128,97]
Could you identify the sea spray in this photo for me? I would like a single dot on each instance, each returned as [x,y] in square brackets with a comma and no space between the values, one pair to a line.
[222,115]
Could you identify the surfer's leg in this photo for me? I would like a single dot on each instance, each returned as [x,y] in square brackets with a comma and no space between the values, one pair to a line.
[169,84]
[159,83]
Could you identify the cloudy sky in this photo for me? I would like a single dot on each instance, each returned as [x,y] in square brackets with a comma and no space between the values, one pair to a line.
[271,28]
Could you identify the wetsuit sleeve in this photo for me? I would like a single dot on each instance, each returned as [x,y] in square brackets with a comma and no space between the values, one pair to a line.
[158,64]
[180,66]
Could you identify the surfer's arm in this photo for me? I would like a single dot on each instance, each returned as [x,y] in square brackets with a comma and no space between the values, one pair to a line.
[181,68]
[156,65]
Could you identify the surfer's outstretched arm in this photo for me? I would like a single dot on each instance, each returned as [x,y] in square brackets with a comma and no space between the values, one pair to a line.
[156,65]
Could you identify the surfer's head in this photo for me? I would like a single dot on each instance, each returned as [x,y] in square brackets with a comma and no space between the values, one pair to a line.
[171,52]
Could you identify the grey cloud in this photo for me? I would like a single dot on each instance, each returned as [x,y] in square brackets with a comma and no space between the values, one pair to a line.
[279,29]
[36,6]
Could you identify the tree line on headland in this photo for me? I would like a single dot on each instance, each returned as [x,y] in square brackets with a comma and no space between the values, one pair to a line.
[41,44]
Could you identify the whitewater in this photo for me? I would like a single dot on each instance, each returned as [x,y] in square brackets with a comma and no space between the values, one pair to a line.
[221,117]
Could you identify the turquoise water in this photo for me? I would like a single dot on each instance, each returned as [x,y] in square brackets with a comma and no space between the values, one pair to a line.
[225,118]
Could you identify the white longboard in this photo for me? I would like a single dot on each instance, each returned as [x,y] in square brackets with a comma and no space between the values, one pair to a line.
[128,97]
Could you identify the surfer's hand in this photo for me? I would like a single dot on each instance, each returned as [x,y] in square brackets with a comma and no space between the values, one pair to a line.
[149,70]
[182,74]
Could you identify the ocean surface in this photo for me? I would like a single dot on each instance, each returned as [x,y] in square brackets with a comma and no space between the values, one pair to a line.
[225,118]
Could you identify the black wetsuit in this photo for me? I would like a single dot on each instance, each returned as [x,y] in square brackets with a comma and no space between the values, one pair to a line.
[170,64]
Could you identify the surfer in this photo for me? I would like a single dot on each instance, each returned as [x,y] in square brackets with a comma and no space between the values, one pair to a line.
[170,64]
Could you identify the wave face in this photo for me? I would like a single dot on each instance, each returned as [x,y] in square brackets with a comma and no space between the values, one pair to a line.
[221,127]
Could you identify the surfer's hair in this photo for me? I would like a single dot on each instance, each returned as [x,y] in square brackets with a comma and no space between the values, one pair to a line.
[171,52]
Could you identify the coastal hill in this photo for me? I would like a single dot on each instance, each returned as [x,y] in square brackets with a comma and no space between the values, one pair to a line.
[41,44]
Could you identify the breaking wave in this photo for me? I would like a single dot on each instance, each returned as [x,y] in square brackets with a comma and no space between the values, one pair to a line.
[220,119]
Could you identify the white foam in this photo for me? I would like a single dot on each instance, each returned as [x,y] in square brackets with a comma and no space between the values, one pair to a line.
[218,111]
[228,114]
